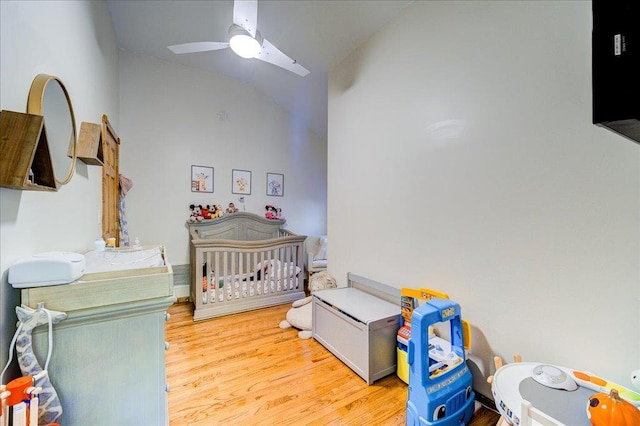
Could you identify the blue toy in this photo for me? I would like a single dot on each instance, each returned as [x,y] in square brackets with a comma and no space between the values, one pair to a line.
[408,302]
[440,383]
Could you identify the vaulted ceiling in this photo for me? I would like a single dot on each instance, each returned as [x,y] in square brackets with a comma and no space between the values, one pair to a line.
[316,33]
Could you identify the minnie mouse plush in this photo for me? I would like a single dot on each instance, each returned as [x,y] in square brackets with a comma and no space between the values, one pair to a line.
[272,212]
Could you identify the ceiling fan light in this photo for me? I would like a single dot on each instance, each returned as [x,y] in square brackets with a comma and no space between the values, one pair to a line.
[244,45]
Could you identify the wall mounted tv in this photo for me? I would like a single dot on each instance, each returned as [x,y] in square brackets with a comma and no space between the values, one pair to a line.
[616,66]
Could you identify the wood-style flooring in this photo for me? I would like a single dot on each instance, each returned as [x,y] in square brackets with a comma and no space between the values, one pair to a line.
[243,369]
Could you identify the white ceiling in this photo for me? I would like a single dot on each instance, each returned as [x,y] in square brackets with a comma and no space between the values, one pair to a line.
[316,33]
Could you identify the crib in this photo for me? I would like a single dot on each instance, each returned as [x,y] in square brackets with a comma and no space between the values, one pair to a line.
[241,262]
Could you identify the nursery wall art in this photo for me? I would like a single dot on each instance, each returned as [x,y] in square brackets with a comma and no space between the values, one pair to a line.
[201,179]
[241,182]
[275,184]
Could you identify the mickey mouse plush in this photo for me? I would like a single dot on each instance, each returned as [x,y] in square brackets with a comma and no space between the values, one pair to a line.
[196,213]
[206,212]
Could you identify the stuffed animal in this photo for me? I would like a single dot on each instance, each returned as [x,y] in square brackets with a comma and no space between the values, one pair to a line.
[218,209]
[232,208]
[28,319]
[271,212]
[300,315]
[206,212]
[196,213]
[212,211]
[279,214]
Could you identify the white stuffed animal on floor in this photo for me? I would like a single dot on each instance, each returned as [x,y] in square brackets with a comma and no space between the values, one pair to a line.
[300,315]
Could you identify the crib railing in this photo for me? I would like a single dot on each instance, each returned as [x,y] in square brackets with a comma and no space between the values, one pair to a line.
[230,276]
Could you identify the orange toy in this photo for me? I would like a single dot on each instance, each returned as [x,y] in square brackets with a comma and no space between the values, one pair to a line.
[21,394]
[611,410]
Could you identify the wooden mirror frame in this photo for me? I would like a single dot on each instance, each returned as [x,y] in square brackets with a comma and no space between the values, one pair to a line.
[35,104]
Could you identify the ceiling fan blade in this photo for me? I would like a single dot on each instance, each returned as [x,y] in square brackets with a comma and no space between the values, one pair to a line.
[245,14]
[274,56]
[200,46]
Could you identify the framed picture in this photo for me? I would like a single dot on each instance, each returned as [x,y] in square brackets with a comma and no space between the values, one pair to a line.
[201,179]
[275,184]
[241,182]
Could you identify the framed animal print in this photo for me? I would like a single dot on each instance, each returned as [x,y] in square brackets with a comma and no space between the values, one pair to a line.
[201,179]
[275,184]
[241,182]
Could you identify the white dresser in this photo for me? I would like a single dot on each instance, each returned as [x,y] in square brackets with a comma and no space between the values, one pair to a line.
[108,363]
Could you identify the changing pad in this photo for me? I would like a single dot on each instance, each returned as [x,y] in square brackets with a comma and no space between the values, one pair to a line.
[122,259]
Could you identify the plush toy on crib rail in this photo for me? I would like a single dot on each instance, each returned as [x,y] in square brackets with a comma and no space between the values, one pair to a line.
[218,210]
[232,208]
[206,211]
[213,213]
[300,316]
[196,213]
[273,212]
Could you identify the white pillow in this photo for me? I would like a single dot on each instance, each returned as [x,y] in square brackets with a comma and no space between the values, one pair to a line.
[321,249]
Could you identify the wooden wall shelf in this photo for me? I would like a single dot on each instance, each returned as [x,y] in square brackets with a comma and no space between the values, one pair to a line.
[89,147]
[25,160]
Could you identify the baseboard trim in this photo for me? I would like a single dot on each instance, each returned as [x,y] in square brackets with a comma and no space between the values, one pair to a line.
[181,281]
[181,291]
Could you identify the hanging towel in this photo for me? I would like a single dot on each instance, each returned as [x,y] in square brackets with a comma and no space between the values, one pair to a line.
[125,185]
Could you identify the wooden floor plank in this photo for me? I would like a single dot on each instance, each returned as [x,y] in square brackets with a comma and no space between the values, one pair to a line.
[243,369]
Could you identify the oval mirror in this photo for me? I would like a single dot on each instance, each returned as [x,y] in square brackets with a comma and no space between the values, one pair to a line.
[49,97]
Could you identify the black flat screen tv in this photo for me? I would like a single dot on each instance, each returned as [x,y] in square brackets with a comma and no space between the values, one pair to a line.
[616,66]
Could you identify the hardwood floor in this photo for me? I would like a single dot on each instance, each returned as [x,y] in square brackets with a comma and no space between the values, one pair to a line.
[244,369]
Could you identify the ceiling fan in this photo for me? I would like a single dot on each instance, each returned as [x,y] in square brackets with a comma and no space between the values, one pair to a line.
[245,40]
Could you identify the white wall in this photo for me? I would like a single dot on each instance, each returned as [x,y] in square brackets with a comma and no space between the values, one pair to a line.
[170,121]
[462,158]
[75,41]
